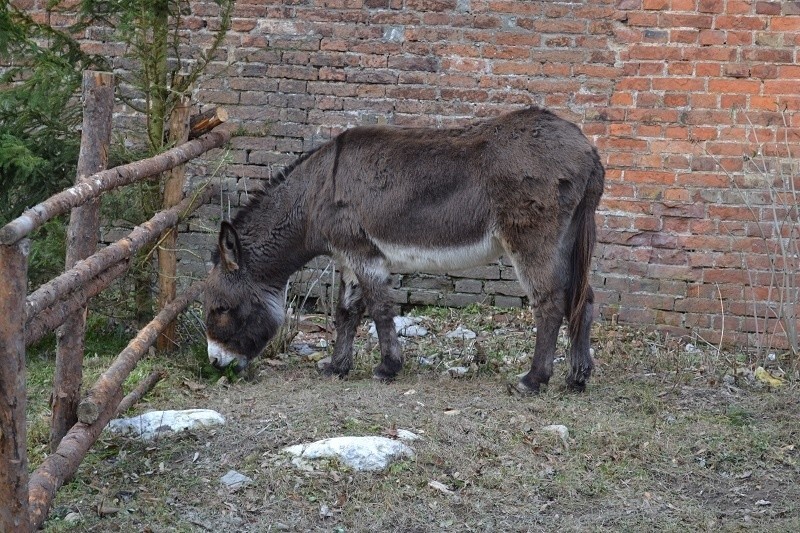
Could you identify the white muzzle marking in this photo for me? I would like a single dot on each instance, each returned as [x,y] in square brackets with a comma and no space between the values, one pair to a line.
[219,356]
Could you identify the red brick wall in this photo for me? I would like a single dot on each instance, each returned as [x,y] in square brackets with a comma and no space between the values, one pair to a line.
[675,94]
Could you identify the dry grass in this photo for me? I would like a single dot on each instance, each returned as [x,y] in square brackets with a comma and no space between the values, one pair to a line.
[659,442]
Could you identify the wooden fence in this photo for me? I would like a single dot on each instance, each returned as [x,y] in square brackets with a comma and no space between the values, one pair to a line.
[25,500]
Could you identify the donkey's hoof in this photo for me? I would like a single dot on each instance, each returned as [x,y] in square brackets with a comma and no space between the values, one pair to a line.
[575,385]
[331,371]
[519,388]
[385,373]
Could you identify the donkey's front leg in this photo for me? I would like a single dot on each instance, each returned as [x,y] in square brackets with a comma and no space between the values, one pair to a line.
[380,308]
[349,311]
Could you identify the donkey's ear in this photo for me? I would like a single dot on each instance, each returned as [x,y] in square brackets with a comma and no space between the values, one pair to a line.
[230,249]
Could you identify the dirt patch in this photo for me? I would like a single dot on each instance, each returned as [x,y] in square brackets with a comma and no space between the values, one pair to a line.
[659,442]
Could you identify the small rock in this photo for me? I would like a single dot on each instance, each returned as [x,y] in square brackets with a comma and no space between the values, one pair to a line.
[325,511]
[322,363]
[414,331]
[425,361]
[404,434]
[457,371]
[405,326]
[763,503]
[72,518]
[302,349]
[560,430]
[234,480]
[369,453]
[461,333]
[441,487]
[691,348]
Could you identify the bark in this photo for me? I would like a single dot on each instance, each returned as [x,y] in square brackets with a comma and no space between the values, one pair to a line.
[206,121]
[82,237]
[107,180]
[173,192]
[144,386]
[87,269]
[55,315]
[111,381]
[13,452]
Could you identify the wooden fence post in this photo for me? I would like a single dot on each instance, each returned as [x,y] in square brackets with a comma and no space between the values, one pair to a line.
[82,237]
[13,451]
[173,194]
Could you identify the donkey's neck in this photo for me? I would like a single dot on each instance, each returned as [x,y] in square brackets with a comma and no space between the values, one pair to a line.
[275,244]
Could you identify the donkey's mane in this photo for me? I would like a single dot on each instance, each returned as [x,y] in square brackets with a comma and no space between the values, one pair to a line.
[257,195]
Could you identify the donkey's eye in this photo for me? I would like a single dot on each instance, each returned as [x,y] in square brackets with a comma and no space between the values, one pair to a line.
[223,310]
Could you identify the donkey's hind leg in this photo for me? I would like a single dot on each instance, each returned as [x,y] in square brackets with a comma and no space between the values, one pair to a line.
[349,311]
[381,309]
[549,316]
[579,354]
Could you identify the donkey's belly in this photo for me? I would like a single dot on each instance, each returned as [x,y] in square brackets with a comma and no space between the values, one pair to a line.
[403,258]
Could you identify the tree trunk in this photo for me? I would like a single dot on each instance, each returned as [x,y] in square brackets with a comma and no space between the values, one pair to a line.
[13,451]
[173,192]
[82,237]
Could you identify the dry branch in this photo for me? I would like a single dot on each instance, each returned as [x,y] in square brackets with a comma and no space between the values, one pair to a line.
[82,237]
[111,381]
[206,121]
[108,180]
[87,269]
[144,386]
[55,315]
[13,454]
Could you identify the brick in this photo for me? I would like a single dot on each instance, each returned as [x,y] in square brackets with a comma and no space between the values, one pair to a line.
[768,8]
[655,4]
[508,301]
[711,6]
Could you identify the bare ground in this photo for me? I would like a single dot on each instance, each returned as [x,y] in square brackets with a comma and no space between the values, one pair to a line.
[659,442]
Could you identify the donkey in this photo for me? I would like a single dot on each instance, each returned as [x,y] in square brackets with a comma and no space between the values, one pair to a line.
[384,199]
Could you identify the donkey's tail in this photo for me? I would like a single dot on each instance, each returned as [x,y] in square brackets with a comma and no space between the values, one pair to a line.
[578,290]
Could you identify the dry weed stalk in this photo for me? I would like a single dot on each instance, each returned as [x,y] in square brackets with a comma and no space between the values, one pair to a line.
[774,172]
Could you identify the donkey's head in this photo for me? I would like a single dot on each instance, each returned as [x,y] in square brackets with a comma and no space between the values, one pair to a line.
[242,311]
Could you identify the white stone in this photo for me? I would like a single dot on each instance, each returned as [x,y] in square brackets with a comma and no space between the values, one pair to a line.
[461,333]
[157,423]
[72,518]
[404,434]
[369,453]
[234,480]
[405,326]
[456,371]
[560,430]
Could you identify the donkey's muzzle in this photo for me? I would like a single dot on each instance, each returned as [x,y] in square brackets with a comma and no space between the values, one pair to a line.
[220,357]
